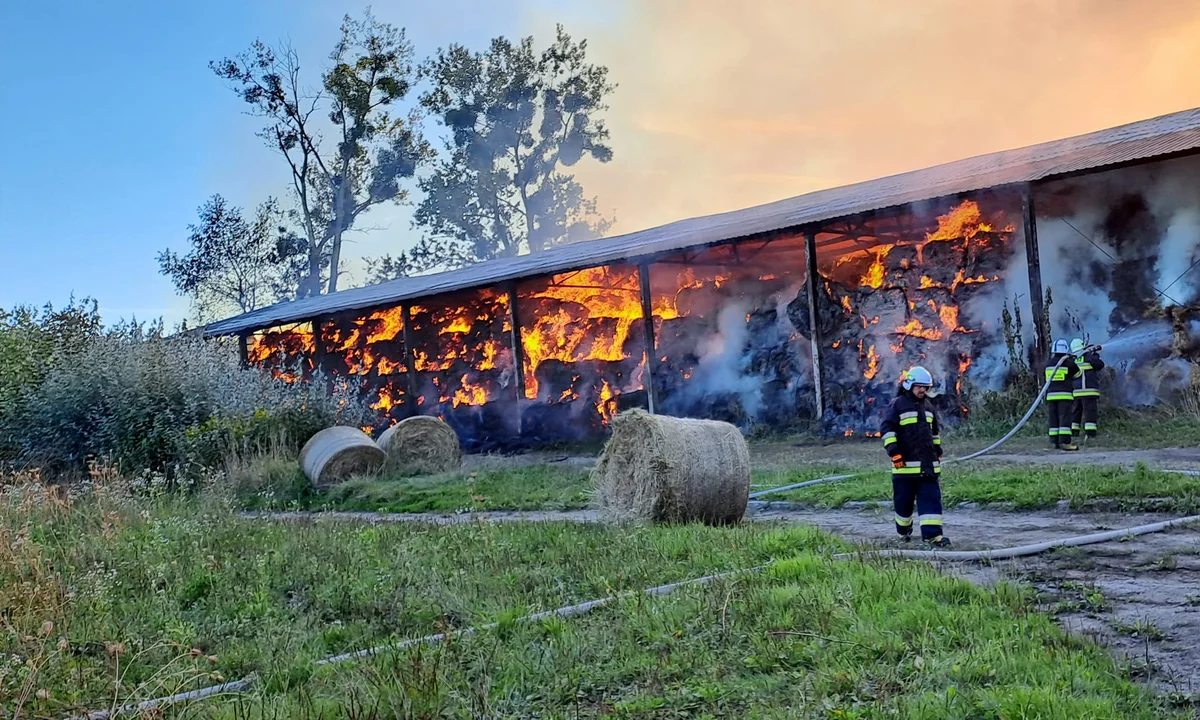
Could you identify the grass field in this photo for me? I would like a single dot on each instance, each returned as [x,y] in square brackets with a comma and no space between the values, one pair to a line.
[1023,487]
[110,598]
[563,487]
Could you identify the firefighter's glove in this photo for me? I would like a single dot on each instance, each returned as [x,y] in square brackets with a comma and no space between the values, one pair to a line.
[897,461]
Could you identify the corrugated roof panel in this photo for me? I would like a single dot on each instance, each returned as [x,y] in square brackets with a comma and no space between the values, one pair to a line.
[1165,135]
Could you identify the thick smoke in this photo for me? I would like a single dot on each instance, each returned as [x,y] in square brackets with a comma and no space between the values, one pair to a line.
[752,366]
[1127,284]
[723,363]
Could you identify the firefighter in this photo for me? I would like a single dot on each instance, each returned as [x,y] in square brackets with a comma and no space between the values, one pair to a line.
[1061,372]
[1087,388]
[910,436]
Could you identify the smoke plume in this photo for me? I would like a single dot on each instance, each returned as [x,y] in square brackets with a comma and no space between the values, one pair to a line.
[725,105]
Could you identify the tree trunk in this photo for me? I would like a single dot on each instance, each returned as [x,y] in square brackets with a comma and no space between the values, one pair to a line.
[339,225]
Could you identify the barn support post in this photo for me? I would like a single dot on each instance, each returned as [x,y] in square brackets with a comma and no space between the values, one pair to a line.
[518,351]
[1037,356]
[648,334]
[244,349]
[410,372]
[318,358]
[810,254]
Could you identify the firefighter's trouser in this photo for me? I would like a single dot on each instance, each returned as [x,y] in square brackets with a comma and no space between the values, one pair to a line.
[1087,414]
[925,493]
[1060,419]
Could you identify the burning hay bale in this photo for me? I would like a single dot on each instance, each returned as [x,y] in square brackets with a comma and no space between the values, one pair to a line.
[670,469]
[421,443]
[335,454]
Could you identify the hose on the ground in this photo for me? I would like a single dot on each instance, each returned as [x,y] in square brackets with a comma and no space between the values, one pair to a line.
[1025,550]
[583,608]
[1016,428]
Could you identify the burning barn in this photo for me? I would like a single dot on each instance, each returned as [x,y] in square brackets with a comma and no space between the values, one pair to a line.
[800,312]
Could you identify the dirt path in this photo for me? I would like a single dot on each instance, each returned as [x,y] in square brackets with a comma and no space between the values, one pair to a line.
[1140,597]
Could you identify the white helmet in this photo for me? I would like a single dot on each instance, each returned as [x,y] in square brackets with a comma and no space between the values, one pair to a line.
[916,375]
[1061,347]
[1077,346]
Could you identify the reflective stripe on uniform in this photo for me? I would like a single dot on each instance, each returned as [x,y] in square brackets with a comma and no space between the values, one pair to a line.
[1053,374]
[937,440]
[908,418]
[1051,397]
[889,438]
[908,421]
[904,522]
[1074,427]
[1084,366]
[1089,426]
[1087,392]
[929,418]
[931,520]
[906,471]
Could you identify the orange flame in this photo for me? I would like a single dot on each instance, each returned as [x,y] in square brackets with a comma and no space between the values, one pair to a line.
[607,406]
[604,294]
[469,394]
[874,275]
[872,364]
[275,347]
[914,328]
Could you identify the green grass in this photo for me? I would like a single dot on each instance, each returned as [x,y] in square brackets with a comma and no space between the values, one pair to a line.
[108,589]
[112,599]
[547,487]
[276,485]
[269,483]
[1024,487]
[1121,429]
[811,638]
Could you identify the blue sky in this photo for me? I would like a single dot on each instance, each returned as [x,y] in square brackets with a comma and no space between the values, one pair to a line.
[114,130]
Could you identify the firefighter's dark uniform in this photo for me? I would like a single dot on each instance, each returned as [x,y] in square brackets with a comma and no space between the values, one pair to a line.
[910,436]
[1087,394]
[1060,396]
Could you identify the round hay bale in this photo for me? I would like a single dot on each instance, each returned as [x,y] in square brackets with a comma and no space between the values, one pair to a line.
[334,454]
[421,443]
[670,469]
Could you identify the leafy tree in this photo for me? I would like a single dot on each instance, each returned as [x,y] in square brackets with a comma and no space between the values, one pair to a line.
[231,264]
[516,119]
[32,342]
[374,151]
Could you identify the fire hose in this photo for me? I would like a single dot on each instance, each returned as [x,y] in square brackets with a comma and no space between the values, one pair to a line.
[584,608]
[1016,428]
[569,611]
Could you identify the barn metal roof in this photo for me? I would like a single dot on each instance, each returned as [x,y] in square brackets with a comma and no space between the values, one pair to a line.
[1169,134]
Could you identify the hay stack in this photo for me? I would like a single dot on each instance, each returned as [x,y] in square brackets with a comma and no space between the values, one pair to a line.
[669,469]
[421,443]
[334,454]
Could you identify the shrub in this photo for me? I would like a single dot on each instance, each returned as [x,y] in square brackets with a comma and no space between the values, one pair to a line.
[168,404]
[31,342]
